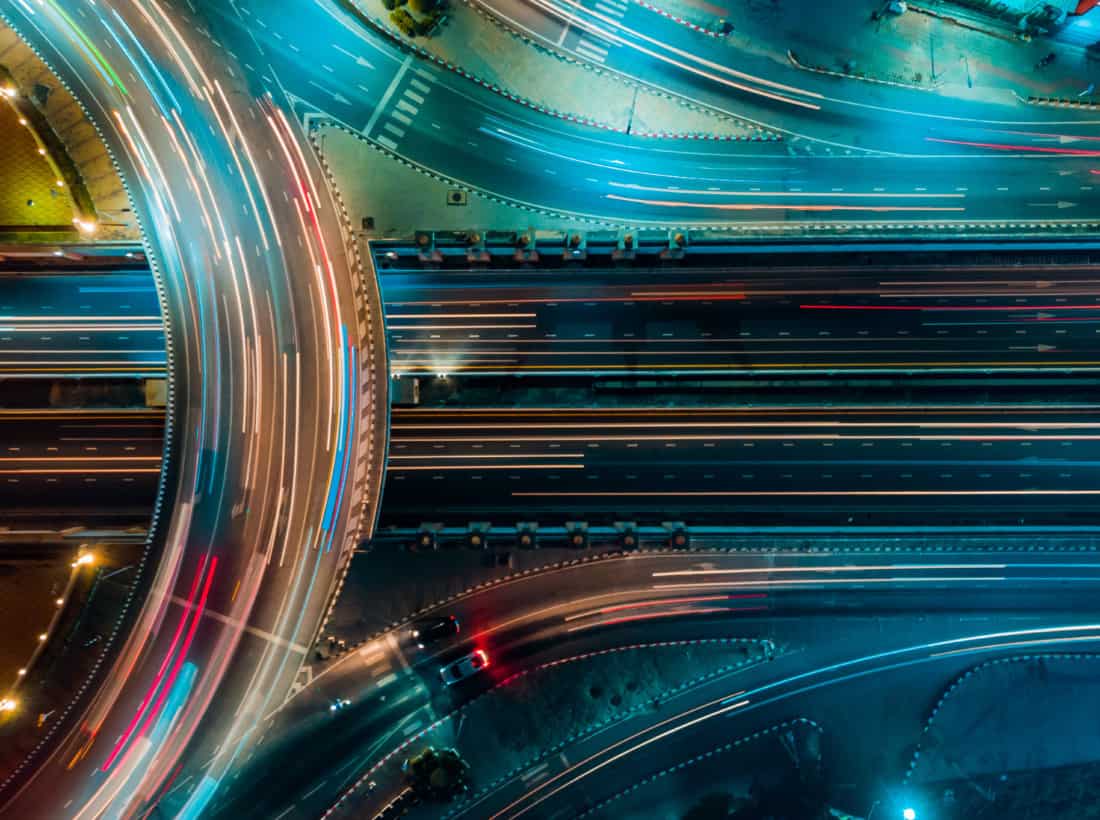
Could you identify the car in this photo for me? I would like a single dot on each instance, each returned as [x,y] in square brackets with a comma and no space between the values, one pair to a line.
[339,704]
[429,631]
[465,667]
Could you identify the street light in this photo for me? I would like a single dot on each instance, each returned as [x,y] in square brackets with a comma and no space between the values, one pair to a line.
[8,704]
[84,559]
[909,813]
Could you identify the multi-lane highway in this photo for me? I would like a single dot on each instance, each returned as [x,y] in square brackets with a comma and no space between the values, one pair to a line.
[275,343]
[96,323]
[757,318]
[765,465]
[276,423]
[95,465]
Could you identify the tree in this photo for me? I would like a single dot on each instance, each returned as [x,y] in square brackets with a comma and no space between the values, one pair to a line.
[436,775]
[423,7]
[404,21]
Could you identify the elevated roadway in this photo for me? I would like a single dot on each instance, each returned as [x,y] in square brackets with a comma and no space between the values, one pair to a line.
[276,425]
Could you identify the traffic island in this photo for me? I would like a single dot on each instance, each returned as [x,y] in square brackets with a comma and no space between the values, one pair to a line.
[774,772]
[532,716]
[1014,737]
[527,719]
[394,199]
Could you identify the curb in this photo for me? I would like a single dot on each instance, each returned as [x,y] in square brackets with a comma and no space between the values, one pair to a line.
[843,76]
[963,23]
[450,716]
[366,516]
[159,517]
[630,82]
[717,750]
[731,228]
[610,555]
[957,683]
[565,116]
[669,15]
[705,136]
[1058,102]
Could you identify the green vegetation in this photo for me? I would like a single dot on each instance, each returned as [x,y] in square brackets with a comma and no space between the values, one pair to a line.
[437,775]
[418,18]
[404,22]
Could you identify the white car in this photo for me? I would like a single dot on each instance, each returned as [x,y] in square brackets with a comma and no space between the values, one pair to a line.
[464,667]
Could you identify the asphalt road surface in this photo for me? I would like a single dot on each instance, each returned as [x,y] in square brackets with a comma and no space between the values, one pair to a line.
[798,464]
[767,318]
[105,323]
[279,410]
[84,463]
[1022,318]
[863,610]
[888,157]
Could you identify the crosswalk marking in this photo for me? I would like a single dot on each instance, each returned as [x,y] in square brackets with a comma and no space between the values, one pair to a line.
[388,143]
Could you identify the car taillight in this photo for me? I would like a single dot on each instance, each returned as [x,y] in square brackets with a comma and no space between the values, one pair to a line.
[484,658]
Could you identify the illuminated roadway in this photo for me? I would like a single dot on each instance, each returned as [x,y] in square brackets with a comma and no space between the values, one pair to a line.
[862,604]
[755,317]
[268,352]
[81,324]
[340,69]
[766,465]
[762,317]
[273,458]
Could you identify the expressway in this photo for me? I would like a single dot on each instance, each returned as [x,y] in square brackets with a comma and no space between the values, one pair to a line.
[274,336]
[798,464]
[861,605]
[86,464]
[899,167]
[765,465]
[756,318]
[271,463]
[778,465]
[96,323]
[1022,317]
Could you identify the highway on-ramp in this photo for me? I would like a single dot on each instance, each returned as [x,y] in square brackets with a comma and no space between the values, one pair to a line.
[816,609]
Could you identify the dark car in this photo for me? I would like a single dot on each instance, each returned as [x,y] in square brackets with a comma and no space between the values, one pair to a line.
[428,631]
